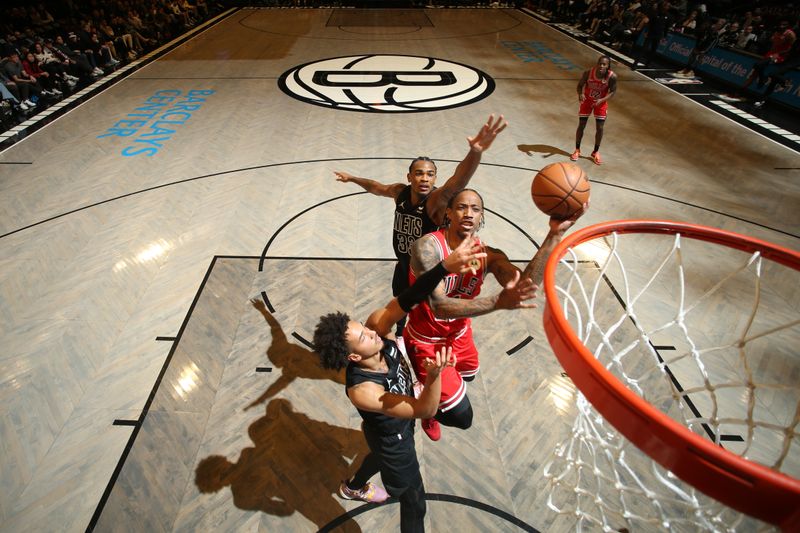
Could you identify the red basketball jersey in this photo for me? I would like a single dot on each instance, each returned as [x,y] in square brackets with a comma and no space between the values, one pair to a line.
[595,87]
[422,324]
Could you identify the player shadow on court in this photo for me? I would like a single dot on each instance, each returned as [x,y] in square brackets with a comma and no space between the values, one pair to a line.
[545,149]
[294,361]
[295,465]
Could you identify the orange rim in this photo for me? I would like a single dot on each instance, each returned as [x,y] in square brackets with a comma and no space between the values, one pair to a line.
[748,487]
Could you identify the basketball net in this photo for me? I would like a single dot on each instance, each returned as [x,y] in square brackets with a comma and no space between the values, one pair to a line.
[705,334]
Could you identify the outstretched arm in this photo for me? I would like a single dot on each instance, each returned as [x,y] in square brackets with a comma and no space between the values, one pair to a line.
[464,171]
[535,269]
[390,190]
[373,397]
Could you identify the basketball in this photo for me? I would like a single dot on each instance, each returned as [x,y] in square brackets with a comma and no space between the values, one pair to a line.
[560,189]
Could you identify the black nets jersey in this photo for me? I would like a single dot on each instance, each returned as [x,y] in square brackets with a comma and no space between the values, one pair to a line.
[410,223]
[397,381]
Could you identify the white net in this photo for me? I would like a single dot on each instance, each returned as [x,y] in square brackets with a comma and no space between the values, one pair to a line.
[705,333]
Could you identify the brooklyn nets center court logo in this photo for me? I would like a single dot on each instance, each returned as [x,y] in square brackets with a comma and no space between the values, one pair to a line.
[386,83]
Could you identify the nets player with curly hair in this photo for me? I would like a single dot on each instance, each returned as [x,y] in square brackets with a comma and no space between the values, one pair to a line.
[419,205]
[379,384]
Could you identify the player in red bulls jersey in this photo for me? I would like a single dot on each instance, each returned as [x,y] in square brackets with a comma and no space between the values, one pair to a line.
[419,205]
[597,86]
[444,318]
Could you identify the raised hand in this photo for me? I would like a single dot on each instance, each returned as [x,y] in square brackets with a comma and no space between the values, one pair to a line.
[466,257]
[485,137]
[561,226]
[516,293]
[444,357]
[343,176]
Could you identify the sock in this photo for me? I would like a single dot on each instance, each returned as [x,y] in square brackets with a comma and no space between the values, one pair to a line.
[596,147]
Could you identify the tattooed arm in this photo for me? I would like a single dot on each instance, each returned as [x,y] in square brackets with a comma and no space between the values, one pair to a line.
[425,255]
[535,269]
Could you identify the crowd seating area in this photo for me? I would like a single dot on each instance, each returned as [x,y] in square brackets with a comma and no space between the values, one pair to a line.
[748,26]
[52,49]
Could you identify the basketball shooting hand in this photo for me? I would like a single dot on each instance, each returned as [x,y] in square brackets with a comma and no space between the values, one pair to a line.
[344,177]
[434,366]
[484,139]
[515,294]
[560,226]
[466,257]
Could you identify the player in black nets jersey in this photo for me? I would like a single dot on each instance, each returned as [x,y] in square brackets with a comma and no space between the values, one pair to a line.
[419,205]
[379,384]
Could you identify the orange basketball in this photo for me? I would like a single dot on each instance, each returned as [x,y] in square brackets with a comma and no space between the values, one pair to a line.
[560,189]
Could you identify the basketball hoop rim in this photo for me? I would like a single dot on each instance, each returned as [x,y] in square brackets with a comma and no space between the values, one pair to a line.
[746,486]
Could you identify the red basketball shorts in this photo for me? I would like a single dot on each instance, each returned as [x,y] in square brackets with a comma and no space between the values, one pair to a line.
[454,388]
[588,107]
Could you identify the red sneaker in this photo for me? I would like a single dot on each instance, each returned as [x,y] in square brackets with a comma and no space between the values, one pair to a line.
[575,155]
[432,428]
[596,158]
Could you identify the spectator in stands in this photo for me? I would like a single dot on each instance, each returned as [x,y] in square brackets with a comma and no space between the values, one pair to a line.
[120,45]
[783,40]
[138,29]
[53,65]
[31,67]
[747,39]
[658,21]
[708,36]
[731,35]
[123,26]
[79,63]
[603,29]
[13,88]
[689,25]
[103,49]
[28,85]
[12,100]
[791,62]
[83,46]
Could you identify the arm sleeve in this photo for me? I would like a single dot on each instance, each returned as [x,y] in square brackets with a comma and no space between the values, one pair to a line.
[421,288]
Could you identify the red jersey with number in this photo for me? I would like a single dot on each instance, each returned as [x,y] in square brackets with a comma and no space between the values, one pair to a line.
[596,88]
[422,323]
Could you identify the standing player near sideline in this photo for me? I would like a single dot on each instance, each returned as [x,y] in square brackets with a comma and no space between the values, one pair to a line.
[419,206]
[597,86]
[444,319]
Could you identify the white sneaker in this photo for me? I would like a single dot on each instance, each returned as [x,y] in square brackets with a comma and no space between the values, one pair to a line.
[24,106]
[46,92]
[56,92]
[29,103]
[72,78]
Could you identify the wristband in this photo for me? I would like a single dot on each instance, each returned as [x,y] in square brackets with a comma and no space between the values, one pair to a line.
[421,288]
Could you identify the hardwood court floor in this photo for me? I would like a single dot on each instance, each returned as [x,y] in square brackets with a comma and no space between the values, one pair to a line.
[108,260]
